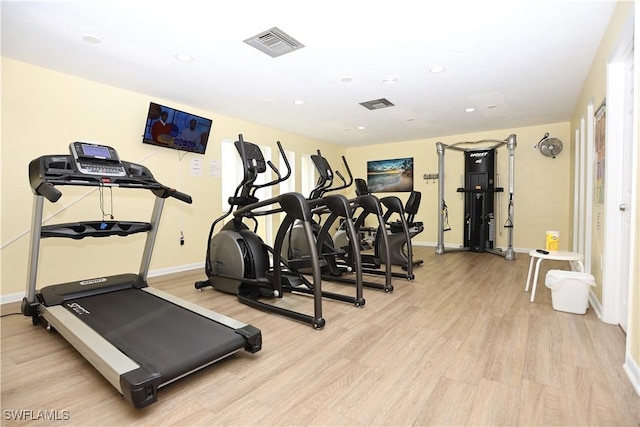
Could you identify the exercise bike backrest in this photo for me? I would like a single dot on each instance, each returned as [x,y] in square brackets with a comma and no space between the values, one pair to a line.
[361,187]
[412,205]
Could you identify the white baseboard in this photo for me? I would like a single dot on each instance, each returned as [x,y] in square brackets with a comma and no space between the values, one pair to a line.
[427,244]
[6,299]
[633,372]
[595,304]
[176,269]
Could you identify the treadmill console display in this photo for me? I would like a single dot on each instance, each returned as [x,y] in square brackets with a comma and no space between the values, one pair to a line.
[95,159]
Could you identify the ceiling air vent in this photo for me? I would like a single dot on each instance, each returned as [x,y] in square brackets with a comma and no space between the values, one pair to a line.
[377,104]
[274,42]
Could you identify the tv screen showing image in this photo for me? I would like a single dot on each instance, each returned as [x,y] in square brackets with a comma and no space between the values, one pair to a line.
[390,176]
[171,128]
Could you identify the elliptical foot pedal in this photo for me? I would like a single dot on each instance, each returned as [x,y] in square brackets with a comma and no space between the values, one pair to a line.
[202,284]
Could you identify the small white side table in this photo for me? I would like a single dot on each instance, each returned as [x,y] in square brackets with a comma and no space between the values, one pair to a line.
[572,257]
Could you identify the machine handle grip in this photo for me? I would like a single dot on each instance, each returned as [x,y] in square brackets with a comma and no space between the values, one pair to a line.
[286,162]
[275,170]
[165,192]
[180,196]
[49,191]
[348,169]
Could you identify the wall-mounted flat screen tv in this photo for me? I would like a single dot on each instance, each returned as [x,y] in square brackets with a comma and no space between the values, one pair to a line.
[171,128]
[390,176]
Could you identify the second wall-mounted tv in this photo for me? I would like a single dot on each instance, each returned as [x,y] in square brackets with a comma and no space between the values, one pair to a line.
[393,175]
[171,128]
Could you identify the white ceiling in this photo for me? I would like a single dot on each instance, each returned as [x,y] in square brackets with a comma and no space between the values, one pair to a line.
[519,63]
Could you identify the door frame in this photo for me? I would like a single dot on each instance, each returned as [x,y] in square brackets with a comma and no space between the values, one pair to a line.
[611,274]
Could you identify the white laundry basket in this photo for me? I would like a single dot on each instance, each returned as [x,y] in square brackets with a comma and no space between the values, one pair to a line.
[569,290]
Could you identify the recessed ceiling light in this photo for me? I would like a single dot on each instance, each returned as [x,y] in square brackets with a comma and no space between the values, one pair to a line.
[91,39]
[361,128]
[491,106]
[390,80]
[298,102]
[437,69]
[469,110]
[346,79]
[463,47]
[184,57]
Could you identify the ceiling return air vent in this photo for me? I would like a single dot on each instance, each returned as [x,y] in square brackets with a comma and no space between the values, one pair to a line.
[377,104]
[274,42]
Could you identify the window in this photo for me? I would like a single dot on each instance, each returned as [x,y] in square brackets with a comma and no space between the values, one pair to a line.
[308,176]
[289,185]
[231,171]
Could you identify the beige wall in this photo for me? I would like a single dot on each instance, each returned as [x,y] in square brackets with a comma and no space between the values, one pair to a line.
[594,92]
[541,184]
[43,111]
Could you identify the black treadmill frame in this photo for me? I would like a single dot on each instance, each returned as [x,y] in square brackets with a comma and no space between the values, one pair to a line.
[137,383]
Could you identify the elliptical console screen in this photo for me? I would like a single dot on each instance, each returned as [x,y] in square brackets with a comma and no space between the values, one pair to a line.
[95,159]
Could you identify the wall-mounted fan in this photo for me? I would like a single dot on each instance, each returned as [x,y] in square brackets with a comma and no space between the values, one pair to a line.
[549,146]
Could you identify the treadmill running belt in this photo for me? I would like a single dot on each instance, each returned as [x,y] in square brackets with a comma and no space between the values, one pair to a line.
[157,334]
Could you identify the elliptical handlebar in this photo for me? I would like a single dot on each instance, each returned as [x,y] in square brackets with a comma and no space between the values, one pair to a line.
[326,176]
[286,161]
[255,166]
[345,183]
[275,170]
[270,183]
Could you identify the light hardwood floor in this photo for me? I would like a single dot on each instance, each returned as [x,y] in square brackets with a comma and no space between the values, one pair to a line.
[460,345]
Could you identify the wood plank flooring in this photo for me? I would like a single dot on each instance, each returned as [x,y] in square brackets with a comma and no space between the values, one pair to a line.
[460,345]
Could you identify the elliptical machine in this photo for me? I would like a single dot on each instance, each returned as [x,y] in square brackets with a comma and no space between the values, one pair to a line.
[399,232]
[346,258]
[238,261]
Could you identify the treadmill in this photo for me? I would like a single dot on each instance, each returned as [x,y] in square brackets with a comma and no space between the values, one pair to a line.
[139,338]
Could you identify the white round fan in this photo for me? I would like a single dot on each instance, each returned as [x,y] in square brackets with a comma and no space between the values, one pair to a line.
[549,146]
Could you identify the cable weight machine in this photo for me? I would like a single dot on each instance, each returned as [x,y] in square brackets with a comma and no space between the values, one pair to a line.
[479,194]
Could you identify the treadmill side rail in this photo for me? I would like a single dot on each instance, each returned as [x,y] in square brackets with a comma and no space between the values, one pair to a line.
[114,365]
